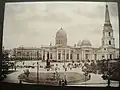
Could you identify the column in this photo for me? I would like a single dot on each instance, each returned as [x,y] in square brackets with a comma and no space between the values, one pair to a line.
[80,55]
[90,55]
[61,55]
[57,55]
[83,55]
[45,55]
[65,54]
[69,55]
[42,54]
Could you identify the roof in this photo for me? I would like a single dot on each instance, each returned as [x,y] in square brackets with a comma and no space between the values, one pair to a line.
[86,43]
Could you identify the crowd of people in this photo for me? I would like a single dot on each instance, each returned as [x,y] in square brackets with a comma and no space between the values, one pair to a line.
[87,66]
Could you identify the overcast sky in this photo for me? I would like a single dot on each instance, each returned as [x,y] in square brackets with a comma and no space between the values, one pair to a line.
[35,24]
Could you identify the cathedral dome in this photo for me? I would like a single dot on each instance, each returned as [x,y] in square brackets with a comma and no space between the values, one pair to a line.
[61,33]
[61,37]
[86,43]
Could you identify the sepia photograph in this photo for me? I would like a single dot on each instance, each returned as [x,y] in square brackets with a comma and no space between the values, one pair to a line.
[61,43]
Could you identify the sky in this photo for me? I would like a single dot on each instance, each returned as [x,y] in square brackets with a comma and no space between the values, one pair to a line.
[32,24]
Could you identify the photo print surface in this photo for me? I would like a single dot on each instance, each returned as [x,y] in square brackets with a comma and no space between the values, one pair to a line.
[60,43]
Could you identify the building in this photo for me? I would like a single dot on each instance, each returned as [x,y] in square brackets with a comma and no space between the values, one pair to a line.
[82,51]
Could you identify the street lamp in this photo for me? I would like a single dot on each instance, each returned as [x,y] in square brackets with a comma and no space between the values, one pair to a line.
[37,69]
[64,59]
[108,72]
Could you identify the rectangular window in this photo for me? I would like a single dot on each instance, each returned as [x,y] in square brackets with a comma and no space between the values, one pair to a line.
[59,55]
[103,56]
[95,56]
[77,56]
[109,42]
[110,56]
[48,55]
[51,56]
[86,56]
[67,56]
[19,53]
[27,53]
[86,50]
[70,56]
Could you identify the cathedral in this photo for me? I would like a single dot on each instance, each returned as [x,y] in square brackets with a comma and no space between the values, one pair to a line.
[80,51]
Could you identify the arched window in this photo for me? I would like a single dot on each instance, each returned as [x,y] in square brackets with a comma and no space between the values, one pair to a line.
[109,42]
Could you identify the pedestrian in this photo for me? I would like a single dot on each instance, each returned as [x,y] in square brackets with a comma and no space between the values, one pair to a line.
[63,83]
[70,67]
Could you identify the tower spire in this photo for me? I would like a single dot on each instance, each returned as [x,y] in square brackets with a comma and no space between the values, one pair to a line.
[107,40]
[107,17]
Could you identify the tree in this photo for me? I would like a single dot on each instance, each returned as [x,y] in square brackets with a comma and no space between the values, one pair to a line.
[5,64]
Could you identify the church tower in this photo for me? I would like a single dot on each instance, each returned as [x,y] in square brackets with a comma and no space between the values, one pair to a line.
[107,39]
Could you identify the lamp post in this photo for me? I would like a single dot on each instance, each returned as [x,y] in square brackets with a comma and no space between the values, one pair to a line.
[64,59]
[15,63]
[37,69]
[108,73]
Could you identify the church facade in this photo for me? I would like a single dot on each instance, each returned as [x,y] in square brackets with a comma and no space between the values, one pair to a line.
[82,51]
